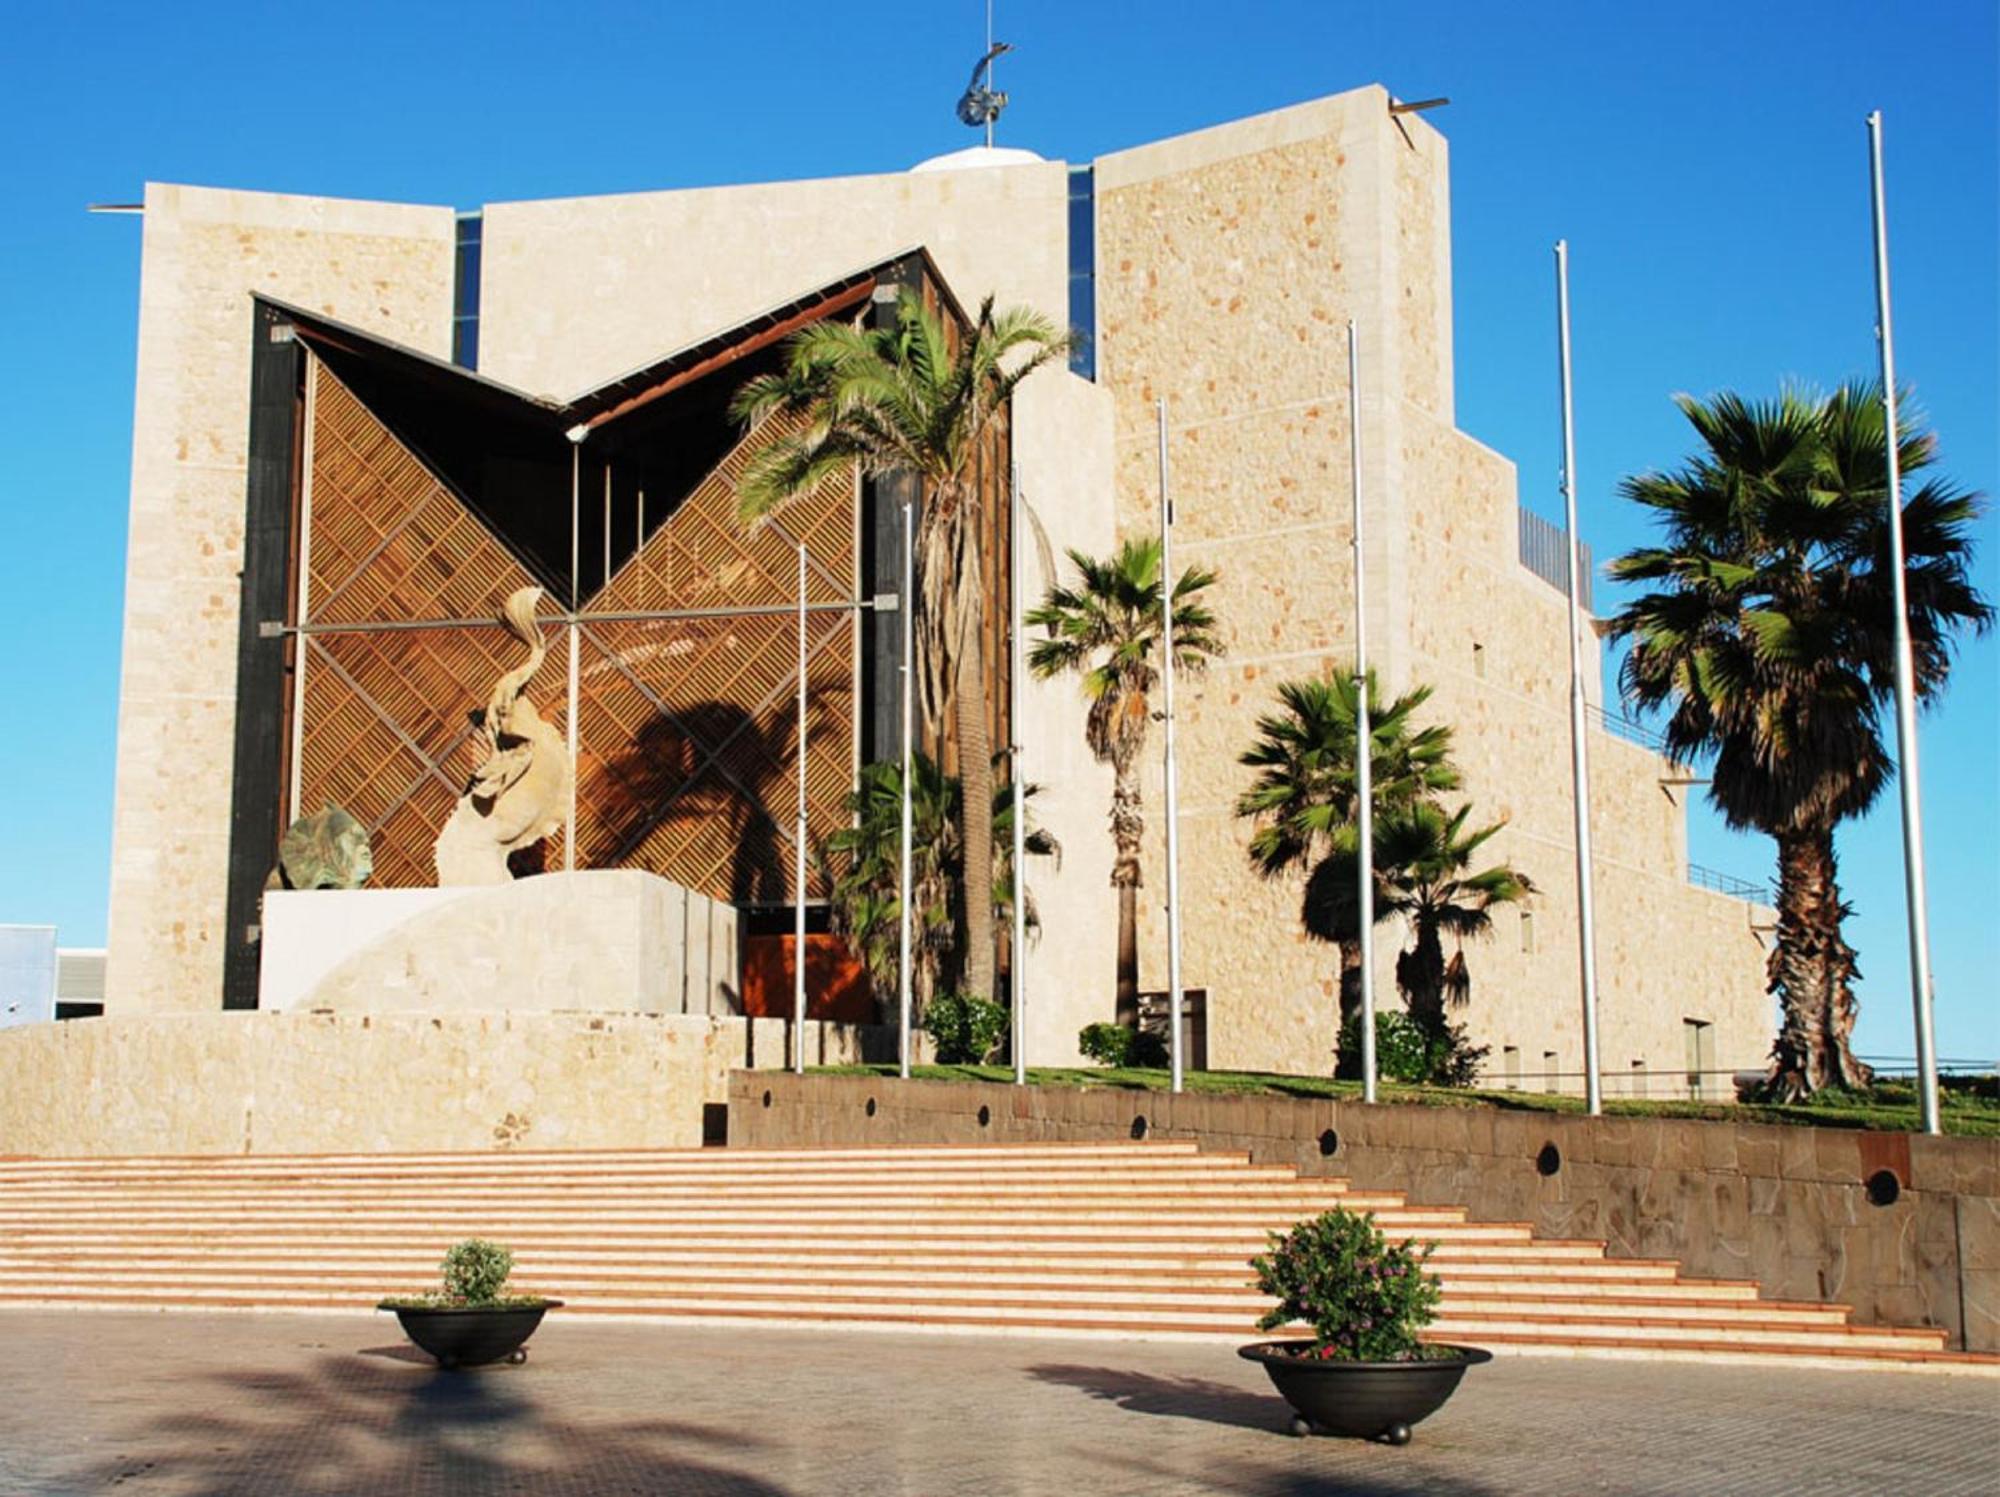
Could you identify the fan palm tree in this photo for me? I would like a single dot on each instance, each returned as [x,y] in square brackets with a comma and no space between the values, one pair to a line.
[913,399]
[1106,629]
[863,859]
[1304,799]
[1423,869]
[1768,633]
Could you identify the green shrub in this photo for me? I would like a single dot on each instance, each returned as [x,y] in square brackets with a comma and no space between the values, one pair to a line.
[965,1029]
[1364,1299]
[475,1271]
[1403,1052]
[1122,1049]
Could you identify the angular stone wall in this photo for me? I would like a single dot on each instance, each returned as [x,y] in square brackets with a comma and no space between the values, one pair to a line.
[1786,1206]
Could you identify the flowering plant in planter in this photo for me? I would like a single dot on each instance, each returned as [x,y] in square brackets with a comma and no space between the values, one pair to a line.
[1364,1299]
[1363,1373]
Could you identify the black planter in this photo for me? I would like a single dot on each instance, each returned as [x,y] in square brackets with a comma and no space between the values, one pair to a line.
[1363,1400]
[465,1337]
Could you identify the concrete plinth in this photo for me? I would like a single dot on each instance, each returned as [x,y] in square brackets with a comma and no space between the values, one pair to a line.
[614,940]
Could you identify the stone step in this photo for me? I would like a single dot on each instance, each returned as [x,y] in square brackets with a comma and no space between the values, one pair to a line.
[790,1161]
[1113,1239]
[1206,1292]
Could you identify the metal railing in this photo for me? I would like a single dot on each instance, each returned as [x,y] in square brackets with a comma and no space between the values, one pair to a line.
[1718,882]
[1544,550]
[1630,729]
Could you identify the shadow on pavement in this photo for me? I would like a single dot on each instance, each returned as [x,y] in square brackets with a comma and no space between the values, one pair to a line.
[1171,1397]
[368,1422]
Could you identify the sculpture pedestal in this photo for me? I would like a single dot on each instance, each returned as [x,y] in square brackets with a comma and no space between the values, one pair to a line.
[609,941]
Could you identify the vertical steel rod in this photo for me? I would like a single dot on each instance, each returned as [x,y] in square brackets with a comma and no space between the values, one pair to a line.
[1906,702]
[1593,1087]
[607,522]
[1173,777]
[302,643]
[1364,745]
[575,594]
[907,608]
[799,851]
[1018,977]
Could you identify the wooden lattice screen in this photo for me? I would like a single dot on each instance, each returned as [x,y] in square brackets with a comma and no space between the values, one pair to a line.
[686,744]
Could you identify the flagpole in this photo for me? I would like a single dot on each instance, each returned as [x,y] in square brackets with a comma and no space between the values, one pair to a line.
[1906,703]
[799,850]
[1364,755]
[1593,1089]
[1018,976]
[906,606]
[1173,777]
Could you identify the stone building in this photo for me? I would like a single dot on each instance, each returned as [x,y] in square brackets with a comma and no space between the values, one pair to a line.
[1216,271]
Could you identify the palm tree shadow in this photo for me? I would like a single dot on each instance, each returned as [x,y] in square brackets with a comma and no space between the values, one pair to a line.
[718,764]
[349,1423]
[1199,1399]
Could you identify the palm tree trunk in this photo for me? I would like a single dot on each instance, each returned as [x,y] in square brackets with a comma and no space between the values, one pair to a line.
[1350,982]
[1128,828]
[1811,969]
[1127,1009]
[1420,974]
[975,771]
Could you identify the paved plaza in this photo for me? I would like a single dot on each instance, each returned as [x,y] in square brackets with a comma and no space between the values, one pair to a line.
[299,1406]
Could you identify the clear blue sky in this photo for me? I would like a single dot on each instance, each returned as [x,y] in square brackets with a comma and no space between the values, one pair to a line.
[1707,162]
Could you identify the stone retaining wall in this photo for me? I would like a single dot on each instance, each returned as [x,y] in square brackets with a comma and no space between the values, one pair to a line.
[1790,1207]
[241,1083]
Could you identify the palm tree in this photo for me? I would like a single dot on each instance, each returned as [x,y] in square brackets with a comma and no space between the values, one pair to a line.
[863,863]
[1106,629]
[1768,633]
[1423,863]
[911,399]
[1303,797]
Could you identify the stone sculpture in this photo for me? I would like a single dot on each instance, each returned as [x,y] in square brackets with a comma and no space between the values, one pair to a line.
[520,793]
[326,851]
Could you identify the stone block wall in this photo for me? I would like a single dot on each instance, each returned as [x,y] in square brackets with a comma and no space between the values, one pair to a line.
[1789,1207]
[262,1083]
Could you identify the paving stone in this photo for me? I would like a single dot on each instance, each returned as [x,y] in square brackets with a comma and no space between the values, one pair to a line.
[314,1406]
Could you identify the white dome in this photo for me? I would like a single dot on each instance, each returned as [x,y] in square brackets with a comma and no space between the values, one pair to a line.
[973,157]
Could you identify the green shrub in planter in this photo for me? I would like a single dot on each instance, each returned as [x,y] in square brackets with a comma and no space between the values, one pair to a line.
[965,1029]
[1364,1299]
[1120,1048]
[475,1278]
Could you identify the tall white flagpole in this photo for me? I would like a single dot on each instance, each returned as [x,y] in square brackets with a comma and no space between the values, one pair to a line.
[907,607]
[577,434]
[1018,977]
[1364,754]
[1906,701]
[799,851]
[1173,776]
[1593,1090]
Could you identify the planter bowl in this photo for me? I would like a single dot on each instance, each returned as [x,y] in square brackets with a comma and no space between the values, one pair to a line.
[469,1336]
[1362,1400]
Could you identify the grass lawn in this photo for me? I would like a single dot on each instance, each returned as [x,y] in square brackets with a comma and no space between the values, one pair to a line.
[1971,1103]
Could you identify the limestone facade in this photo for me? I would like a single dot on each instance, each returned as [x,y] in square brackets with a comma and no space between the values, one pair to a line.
[382,266]
[1227,265]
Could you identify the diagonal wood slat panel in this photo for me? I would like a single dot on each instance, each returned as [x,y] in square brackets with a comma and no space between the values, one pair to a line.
[385,714]
[687,748]
[700,785]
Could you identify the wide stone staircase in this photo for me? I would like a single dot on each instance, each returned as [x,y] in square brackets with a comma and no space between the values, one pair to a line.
[1094,1239]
